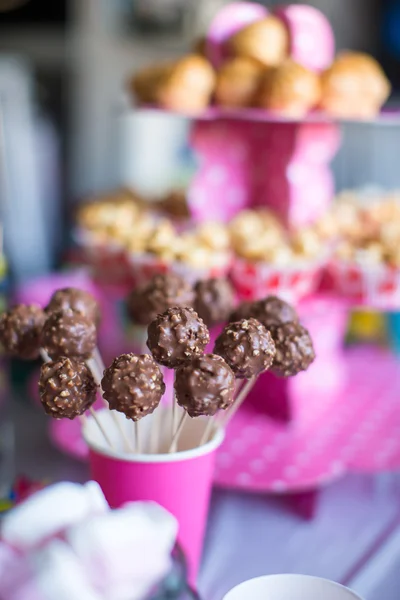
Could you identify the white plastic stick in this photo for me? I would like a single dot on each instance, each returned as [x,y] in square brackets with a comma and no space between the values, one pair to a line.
[93,366]
[174,442]
[137,438]
[100,426]
[208,431]
[45,357]
[231,412]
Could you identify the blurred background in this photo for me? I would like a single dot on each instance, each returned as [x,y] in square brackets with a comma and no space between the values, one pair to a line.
[64,125]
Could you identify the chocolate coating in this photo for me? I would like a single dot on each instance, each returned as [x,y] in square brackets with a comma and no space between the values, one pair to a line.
[245,310]
[20,331]
[247,347]
[214,300]
[177,336]
[69,333]
[294,349]
[67,388]
[133,385]
[76,299]
[274,311]
[269,311]
[205,385]
[156,296]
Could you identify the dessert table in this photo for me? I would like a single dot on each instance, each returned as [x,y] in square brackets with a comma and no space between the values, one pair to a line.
[354,537]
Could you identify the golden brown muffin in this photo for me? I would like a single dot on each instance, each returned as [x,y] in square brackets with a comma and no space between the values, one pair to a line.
[266,41]
[145,83]
[355,86]
[238,81]
[290,90]
[188,86]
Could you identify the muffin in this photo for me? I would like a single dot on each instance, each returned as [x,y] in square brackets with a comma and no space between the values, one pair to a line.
[188,85]
[238,81]
[266,41]
[290,90]
[355,86]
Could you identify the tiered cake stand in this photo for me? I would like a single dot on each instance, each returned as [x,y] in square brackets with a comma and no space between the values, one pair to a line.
[292,436]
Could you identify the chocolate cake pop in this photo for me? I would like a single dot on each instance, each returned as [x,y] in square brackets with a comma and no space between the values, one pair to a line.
[177,336]
[155,297]
[69,333]
[294,349]
[214,300]
[20,331]
[76,299]
[67,388]
[269,311]
[274,311]
[247,347]
[205,385]
[133,385]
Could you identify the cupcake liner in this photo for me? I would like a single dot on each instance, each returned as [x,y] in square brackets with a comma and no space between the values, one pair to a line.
[144,266]
[377,286]
[114,265]
[292,283]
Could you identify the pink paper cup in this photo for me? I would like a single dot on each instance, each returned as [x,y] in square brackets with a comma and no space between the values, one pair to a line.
[181,482]
[290,587]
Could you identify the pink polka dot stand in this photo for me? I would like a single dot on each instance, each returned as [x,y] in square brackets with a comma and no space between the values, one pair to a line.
[244,164]
[356,430]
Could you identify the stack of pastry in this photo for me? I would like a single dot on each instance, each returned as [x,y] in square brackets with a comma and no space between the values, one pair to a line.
[267,64]
[258,236]
[369,231]
[146,231]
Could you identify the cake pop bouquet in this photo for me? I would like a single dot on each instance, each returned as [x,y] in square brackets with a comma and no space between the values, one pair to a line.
[260,336]
[253,57]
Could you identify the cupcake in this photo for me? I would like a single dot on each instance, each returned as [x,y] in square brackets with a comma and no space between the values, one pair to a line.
[188,85]
[355,86]
[238,81]
[266,41]
[290,90]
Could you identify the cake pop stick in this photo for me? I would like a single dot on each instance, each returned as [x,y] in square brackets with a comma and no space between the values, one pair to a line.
[133,385]
[241,397]
[138,445]
[97,376]
[179,429]
[44,356]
